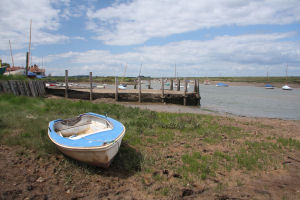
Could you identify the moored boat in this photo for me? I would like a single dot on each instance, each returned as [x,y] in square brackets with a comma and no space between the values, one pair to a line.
[221,85]
[123,86]
[91,138]
[286,87]
[269,86]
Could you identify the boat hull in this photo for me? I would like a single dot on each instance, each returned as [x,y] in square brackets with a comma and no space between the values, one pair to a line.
[94,148]
[100,157]
[286,87]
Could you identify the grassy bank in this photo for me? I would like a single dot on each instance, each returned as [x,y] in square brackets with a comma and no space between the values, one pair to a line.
[162,151]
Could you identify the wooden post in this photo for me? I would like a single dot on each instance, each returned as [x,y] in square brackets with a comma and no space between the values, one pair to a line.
[195,85]
[116,94]
[184,92]
[149,86]
[140,90]
[198,92]
[91,86]
[162,90]
[66,83]
[178,84]
[171,86]
[134,87]
[27,63]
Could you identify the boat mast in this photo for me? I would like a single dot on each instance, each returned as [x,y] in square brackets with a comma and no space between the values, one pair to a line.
[140,69]
[286,69]
[30,38]
[28,53]
[12,58]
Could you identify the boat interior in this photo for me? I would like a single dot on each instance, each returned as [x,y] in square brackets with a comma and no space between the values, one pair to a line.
[81,126]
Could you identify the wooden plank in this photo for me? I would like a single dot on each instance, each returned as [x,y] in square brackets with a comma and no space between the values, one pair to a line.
[13,88]
[36,88]
[6,87]
[32,89]
[42,87]
[26,88]
[1,87]
[20,87]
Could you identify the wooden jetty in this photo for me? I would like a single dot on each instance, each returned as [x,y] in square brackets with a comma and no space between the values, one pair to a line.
[136,95]
[130,95]
[38,88]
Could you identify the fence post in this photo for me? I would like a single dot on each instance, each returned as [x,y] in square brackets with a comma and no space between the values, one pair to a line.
[178,84]
[91,86]
[116,94]
[66,83]
[171,86]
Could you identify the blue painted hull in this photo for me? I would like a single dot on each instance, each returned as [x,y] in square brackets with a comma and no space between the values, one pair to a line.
[96,148]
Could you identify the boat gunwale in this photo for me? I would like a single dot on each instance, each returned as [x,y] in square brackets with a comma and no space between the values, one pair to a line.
[102,147]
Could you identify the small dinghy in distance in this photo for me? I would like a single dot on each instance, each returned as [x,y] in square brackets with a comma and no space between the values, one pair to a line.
[269,86]
[286,87]
[221,85]
[91,138]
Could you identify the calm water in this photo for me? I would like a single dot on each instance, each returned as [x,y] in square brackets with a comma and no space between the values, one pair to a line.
[246,100]
[252,101]
[249,101]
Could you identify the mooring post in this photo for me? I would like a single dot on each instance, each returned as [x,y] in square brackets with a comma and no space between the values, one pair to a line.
[195,85]
[149,86]
[162,90]
[134,86]
[91,86]
[178,84]
[198,92]
[66,83]
[116,94]
[171,86]
[184,92]
[27,63]
[140,90]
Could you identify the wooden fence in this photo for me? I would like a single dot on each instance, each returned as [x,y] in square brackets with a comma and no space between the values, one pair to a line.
[33,88]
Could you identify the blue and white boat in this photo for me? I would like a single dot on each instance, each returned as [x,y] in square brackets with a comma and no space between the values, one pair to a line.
[269,86]
[221,85]
[122,86]
[91,138]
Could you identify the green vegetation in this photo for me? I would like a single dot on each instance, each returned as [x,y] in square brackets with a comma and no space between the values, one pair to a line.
[193,147]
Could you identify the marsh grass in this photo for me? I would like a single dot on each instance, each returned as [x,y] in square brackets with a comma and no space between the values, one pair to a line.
[150,141]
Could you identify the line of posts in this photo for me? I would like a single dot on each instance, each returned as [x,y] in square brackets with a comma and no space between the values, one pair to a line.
[196,88]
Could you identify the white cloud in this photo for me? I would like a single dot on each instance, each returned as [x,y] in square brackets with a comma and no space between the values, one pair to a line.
[137,21]
[225,55]
[15,23]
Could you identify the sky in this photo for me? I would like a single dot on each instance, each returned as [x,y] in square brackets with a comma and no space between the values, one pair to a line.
[200,37]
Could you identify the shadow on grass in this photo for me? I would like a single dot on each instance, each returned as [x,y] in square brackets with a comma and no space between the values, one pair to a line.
[126,163]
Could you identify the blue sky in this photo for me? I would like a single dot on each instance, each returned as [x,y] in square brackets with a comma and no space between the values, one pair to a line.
[203,38]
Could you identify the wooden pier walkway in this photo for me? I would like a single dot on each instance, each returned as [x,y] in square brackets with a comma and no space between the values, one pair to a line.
[130,95]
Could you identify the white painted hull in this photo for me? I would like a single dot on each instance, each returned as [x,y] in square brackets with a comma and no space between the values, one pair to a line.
[16,72]
[98,156]
[286,87]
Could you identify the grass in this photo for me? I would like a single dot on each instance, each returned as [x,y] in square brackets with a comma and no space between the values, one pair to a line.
[194,146]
